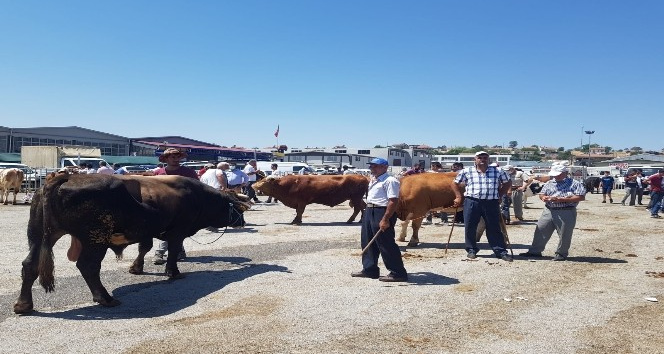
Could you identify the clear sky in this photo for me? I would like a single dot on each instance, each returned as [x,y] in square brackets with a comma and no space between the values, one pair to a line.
[357,73]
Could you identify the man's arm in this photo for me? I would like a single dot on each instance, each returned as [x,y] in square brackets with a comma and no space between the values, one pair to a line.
[392,204]
[458,197]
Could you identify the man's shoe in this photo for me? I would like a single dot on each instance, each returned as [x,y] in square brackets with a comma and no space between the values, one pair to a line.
[623,203]
[471,255]
[158,259]
[558,257]
[362,274]
[603,201]
[182,255]
[656,216]
[520,218]
[393,278]
[426,222]
[506,257]
[530,254]
[611,200]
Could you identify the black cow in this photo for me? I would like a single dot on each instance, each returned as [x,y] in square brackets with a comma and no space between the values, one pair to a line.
[592,184]
[102,212]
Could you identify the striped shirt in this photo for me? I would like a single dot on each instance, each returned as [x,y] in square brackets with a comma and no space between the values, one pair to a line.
[482,185]
[565,188]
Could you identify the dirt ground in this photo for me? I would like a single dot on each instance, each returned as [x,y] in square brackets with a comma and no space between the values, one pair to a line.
[278,288]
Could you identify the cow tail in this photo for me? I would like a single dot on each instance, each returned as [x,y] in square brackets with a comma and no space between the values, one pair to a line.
[46,267]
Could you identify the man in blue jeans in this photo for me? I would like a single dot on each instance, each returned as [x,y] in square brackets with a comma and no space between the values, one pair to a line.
[656,194]
[485,185]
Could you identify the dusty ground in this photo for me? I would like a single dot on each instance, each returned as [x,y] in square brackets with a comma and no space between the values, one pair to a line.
[281,288]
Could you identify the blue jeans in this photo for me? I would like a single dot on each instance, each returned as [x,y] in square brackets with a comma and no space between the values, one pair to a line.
[473,210]
[655,202]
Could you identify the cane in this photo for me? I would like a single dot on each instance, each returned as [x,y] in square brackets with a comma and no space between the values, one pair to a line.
[507,239]
[372,241]
[451,229]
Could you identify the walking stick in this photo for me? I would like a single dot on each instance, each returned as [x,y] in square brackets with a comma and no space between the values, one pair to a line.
[451,229]
[507,239]
[372,241]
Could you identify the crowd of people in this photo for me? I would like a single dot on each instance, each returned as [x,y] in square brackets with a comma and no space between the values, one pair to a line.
[486,193]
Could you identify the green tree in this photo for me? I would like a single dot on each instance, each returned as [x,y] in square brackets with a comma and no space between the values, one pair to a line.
[564,155]
[513,144]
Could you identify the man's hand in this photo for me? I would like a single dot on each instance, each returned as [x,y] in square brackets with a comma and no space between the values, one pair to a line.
[457,202]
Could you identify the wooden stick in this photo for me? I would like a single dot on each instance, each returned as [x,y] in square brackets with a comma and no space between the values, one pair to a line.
[372,241]
[451,229]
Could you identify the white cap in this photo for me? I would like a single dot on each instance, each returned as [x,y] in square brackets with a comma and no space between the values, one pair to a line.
[481,153]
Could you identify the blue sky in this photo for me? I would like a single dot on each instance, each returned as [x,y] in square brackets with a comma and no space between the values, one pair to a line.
[359,73]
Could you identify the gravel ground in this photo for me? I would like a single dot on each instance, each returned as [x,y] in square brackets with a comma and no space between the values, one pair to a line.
[273,287]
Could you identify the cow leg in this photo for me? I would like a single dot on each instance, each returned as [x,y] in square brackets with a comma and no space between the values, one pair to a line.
[414,240]
[15,193]
[5,197]
[89,264]
[29,274]
[404,231]
[143,248]
[174,249]
[298,214]
[358,207]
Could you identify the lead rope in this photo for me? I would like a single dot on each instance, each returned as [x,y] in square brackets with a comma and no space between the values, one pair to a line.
[230,217]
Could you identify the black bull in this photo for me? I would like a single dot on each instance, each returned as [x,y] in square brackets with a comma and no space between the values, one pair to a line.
[592,184]
[102,212]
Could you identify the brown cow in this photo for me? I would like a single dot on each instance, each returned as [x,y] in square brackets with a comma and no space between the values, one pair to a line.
[423,192]
[10,178]
[114,211]
[298,191]
[420,193]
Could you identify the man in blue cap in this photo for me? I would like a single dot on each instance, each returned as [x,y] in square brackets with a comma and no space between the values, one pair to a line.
[380,218]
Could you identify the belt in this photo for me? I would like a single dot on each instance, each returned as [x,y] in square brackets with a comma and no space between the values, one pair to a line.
[478,199]
[372,205]
[561,208]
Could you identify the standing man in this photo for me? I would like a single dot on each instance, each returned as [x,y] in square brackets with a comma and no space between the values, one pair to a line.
[607,186]
[104,169]
[234,176]
[519,181]
[250,170]
[275,174]
[172,159]
[656,193]
[382,200]
[560,196]
[640,186]
[484,186]
[417,168]
[630,188]
[215,177]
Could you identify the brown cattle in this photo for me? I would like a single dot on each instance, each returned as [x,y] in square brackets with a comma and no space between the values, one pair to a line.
[420,193]
[298,191]
[10,178]
[114,211]
[425,192]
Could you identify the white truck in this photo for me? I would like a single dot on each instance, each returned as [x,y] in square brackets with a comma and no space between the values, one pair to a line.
[56,157]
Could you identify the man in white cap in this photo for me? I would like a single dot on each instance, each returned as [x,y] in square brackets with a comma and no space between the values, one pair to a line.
[484,185]
[560,196]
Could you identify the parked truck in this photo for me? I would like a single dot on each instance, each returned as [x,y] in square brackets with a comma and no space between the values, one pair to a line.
[56,157]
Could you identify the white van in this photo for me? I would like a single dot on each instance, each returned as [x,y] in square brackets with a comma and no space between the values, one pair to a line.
[288,168]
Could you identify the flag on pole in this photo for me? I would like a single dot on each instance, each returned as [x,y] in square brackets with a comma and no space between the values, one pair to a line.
[276,134]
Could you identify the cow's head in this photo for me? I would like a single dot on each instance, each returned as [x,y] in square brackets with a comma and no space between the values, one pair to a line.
[239,203]
[535,187]
[265,185]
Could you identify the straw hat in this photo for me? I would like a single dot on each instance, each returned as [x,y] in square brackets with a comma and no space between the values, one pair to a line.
[171,151]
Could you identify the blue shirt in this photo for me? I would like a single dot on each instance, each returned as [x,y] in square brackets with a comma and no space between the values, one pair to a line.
[607,182]
[482,185]
[565,188]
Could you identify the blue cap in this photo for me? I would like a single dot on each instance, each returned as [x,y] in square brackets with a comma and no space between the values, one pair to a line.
[378,161]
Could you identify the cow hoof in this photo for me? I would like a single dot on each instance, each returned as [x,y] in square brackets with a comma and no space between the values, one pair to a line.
[174,275]
[413,243]
[108,303]
[22,308]
[134,269]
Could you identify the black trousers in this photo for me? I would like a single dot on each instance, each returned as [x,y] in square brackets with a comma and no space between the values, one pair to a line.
[384,245]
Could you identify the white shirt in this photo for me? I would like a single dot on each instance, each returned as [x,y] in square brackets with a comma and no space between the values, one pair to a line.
[382,189]
[249,169]
[210,177]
